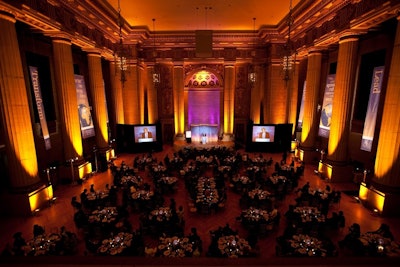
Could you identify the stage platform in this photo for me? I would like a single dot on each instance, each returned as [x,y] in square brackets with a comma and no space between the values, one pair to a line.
[179,144]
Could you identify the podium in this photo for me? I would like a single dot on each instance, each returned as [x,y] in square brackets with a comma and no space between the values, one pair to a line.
[145,140]
[262,140]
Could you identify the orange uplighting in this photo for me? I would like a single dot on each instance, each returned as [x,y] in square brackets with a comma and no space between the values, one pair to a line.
[27,158]
[181,120]
[333,141]
[301,154]
[363,192]
[329,170]
[76,140]
[376,199]
[40,197]
[110,154]
[84,169]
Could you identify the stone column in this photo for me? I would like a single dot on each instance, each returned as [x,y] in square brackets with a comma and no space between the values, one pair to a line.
[293,96]
[383,194]
[257,94]
[131,97]
[151,96]
[77,167]
[116,94]
[67,99]
[229,101]
[96,85]
[387,162]
[142,83]
[267,95]
[102,152]
[310,118]
[179,103]
[20,144]
[337,156]
[278,94]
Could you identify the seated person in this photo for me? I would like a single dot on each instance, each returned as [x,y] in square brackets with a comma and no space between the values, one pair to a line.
[353,236]
[195,239]
[75,203]
[384,230]
[37,230]
[19,243]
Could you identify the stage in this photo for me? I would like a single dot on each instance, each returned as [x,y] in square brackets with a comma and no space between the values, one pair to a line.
[179,144]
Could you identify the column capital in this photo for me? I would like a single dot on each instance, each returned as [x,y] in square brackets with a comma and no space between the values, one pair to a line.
[350,36]
[7,16]
[316,50]
[93,52]
[60,38]
[178,63]
[229,63]
[150,64]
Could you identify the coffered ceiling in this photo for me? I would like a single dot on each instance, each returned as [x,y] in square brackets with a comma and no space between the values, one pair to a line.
[189,15]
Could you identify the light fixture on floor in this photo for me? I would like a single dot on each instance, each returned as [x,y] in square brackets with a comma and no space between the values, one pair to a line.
[375,212]
[53,201]
[35,212]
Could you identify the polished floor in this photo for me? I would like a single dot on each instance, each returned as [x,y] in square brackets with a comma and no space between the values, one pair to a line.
[61,212]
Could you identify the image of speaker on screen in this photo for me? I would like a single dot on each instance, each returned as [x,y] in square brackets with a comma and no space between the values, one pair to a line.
[145,134]
[84,116]
[263,133]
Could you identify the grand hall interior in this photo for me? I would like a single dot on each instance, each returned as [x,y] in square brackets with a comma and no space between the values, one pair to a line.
[187,133]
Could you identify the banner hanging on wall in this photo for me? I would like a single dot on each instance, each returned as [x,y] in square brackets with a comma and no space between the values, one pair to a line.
[301,112]
[34,73]
[372,110]
[84,110]
[326,112]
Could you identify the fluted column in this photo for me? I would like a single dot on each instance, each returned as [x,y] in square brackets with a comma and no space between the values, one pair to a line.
[229,100]
[267,95]
[257,94]
[342,100]
[151,96]
[293,96]
[335,167]
[20,145]
[278,93]
[313,78]
[131,97]
[179,103]
[96,85]
[67,99]
[116,94]
[142,83]
[387,162]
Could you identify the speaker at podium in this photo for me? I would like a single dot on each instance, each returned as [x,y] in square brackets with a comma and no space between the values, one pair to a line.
[188,135]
